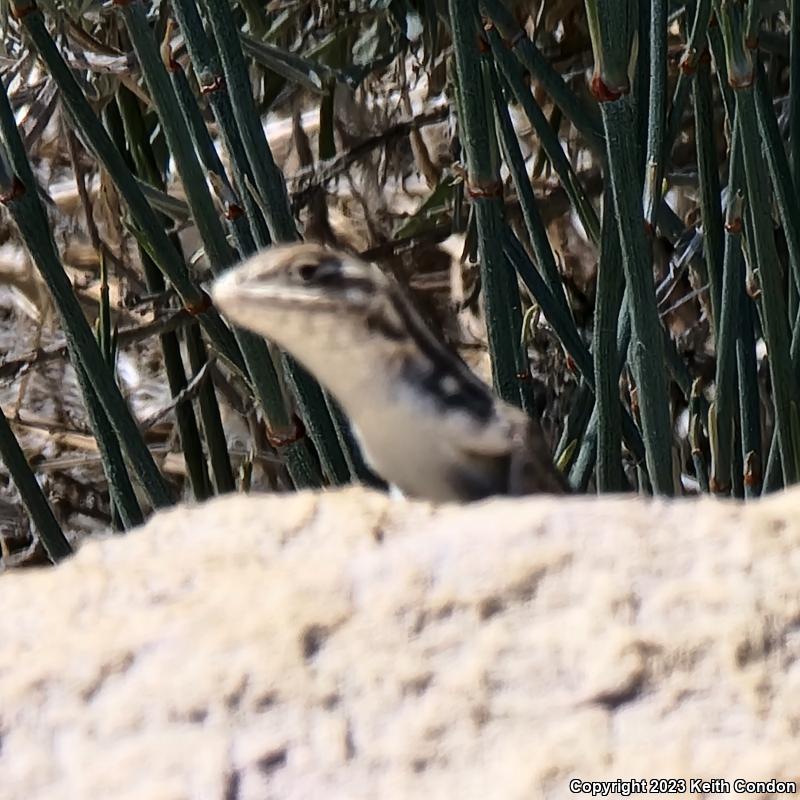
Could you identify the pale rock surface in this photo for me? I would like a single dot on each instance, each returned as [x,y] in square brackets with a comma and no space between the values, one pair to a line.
[344,646]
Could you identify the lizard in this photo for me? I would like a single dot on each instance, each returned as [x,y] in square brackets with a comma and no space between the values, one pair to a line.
[425,422]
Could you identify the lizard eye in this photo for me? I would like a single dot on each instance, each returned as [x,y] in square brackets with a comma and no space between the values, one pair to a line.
[307,271]
[326,272]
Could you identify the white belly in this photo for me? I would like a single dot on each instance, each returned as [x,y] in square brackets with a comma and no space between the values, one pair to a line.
[411,447]
[404,436]
[418,463]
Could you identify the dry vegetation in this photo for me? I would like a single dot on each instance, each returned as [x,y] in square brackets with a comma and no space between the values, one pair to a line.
[372,160]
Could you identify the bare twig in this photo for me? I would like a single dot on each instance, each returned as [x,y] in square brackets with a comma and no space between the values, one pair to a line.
[307,180]
[185,395]
[11,370]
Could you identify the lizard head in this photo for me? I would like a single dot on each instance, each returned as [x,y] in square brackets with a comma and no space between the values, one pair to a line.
[302,281]
[307,295]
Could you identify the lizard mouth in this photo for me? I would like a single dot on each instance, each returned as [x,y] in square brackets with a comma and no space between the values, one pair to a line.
[281,298]
[240,302]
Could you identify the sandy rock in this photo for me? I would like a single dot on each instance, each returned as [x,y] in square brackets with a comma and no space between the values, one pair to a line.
[346,646]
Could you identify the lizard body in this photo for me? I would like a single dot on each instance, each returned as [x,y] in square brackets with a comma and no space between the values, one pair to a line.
[425,422]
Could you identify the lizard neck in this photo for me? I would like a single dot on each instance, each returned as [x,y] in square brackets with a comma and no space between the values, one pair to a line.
[377,356]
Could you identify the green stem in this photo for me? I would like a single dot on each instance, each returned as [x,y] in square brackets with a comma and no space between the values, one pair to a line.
[126,123]
[145,220]
[53,539]
[512,75]
[20,195]
[776,328]
[584,117]
[274,200]
[728,323]
[654,170]
[608,418]
[500,293]
[708,179]
[612,53]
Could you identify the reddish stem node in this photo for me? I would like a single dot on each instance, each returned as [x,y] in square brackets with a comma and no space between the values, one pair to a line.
[601,92]
[201,306]
[214,85]
[21,11]
[17,189]
[494,189]
[734,226]
[284,439]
